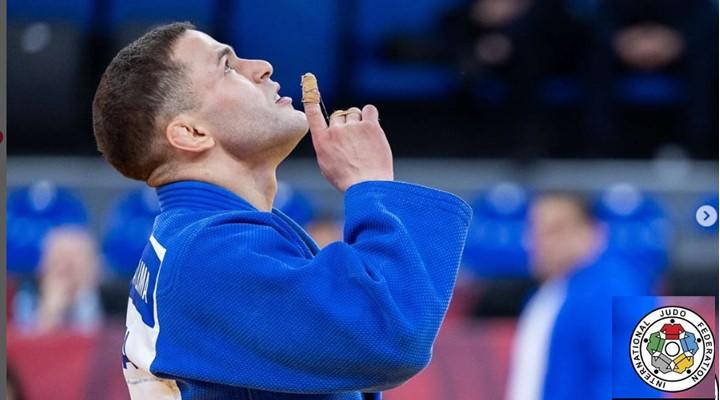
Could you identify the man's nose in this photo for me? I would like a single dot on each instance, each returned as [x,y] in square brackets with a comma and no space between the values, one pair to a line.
[260,70]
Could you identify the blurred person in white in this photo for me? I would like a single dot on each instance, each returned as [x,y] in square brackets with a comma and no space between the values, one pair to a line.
[68,296]
[563,345]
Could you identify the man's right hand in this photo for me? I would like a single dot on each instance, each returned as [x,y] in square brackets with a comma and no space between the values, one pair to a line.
[353,148]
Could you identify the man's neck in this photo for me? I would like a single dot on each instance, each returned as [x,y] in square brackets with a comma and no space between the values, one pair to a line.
[257,186]
[254,182]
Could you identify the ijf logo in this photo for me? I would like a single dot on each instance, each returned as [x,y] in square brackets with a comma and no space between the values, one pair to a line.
[672,349]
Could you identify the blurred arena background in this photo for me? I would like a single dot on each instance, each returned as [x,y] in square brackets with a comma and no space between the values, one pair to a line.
[495,100]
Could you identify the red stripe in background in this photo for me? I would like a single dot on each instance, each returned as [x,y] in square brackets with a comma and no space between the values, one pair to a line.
[53,366]
[470,361]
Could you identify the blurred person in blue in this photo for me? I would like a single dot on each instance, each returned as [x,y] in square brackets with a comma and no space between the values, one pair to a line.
[564,344]
[233,299]
[68,296]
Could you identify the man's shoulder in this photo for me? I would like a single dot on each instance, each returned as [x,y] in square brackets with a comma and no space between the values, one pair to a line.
[211,242]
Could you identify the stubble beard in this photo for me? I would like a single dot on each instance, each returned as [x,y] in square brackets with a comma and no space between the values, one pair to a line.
[270,138]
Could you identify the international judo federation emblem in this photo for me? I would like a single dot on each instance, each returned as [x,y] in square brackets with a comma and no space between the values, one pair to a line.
[672,349]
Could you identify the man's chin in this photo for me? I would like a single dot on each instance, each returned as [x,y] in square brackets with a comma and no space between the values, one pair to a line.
[302,124]
[298,130]
[292,141]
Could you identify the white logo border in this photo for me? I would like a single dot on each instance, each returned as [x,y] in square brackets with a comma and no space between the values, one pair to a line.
[710,370]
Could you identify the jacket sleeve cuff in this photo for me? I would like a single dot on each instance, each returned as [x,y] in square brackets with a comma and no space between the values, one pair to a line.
[409,191]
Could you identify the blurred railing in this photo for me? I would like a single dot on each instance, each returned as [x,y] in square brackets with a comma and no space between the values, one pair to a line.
[468,358]
[679,184]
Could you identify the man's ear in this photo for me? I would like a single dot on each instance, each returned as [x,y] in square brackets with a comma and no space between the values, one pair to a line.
[183,134]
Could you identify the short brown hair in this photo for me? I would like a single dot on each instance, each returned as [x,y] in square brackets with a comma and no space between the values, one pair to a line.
[141,87]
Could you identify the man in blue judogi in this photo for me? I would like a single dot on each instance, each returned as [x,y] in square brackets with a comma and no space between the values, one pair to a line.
[233,300]
[564,347]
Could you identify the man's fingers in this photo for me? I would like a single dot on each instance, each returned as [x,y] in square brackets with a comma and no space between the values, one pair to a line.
[353,115]
[370,113]
[338,117]
[315,118]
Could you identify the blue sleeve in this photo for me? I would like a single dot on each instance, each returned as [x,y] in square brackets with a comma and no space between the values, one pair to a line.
[246,307]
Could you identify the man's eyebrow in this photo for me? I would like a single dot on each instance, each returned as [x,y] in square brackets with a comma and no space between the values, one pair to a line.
[223,52]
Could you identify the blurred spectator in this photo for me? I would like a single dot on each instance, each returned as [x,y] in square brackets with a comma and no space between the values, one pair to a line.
[648,45]
[31,212]
[655,76]
[563,346]
[559,56]
[485,31]
[68,284]
[489,43]
[651,34]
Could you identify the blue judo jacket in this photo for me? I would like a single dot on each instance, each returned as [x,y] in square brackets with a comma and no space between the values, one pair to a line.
[229,302]
[585,356]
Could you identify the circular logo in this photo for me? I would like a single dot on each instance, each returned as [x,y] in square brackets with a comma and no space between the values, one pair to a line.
[672,349]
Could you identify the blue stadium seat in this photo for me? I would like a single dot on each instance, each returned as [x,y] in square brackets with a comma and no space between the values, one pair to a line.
[374,21]
[294,36]
[294,204]
[31,213]
[638,227]
[495,247]
[128,227]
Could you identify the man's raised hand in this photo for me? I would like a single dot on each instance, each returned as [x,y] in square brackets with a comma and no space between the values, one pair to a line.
[353,148]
